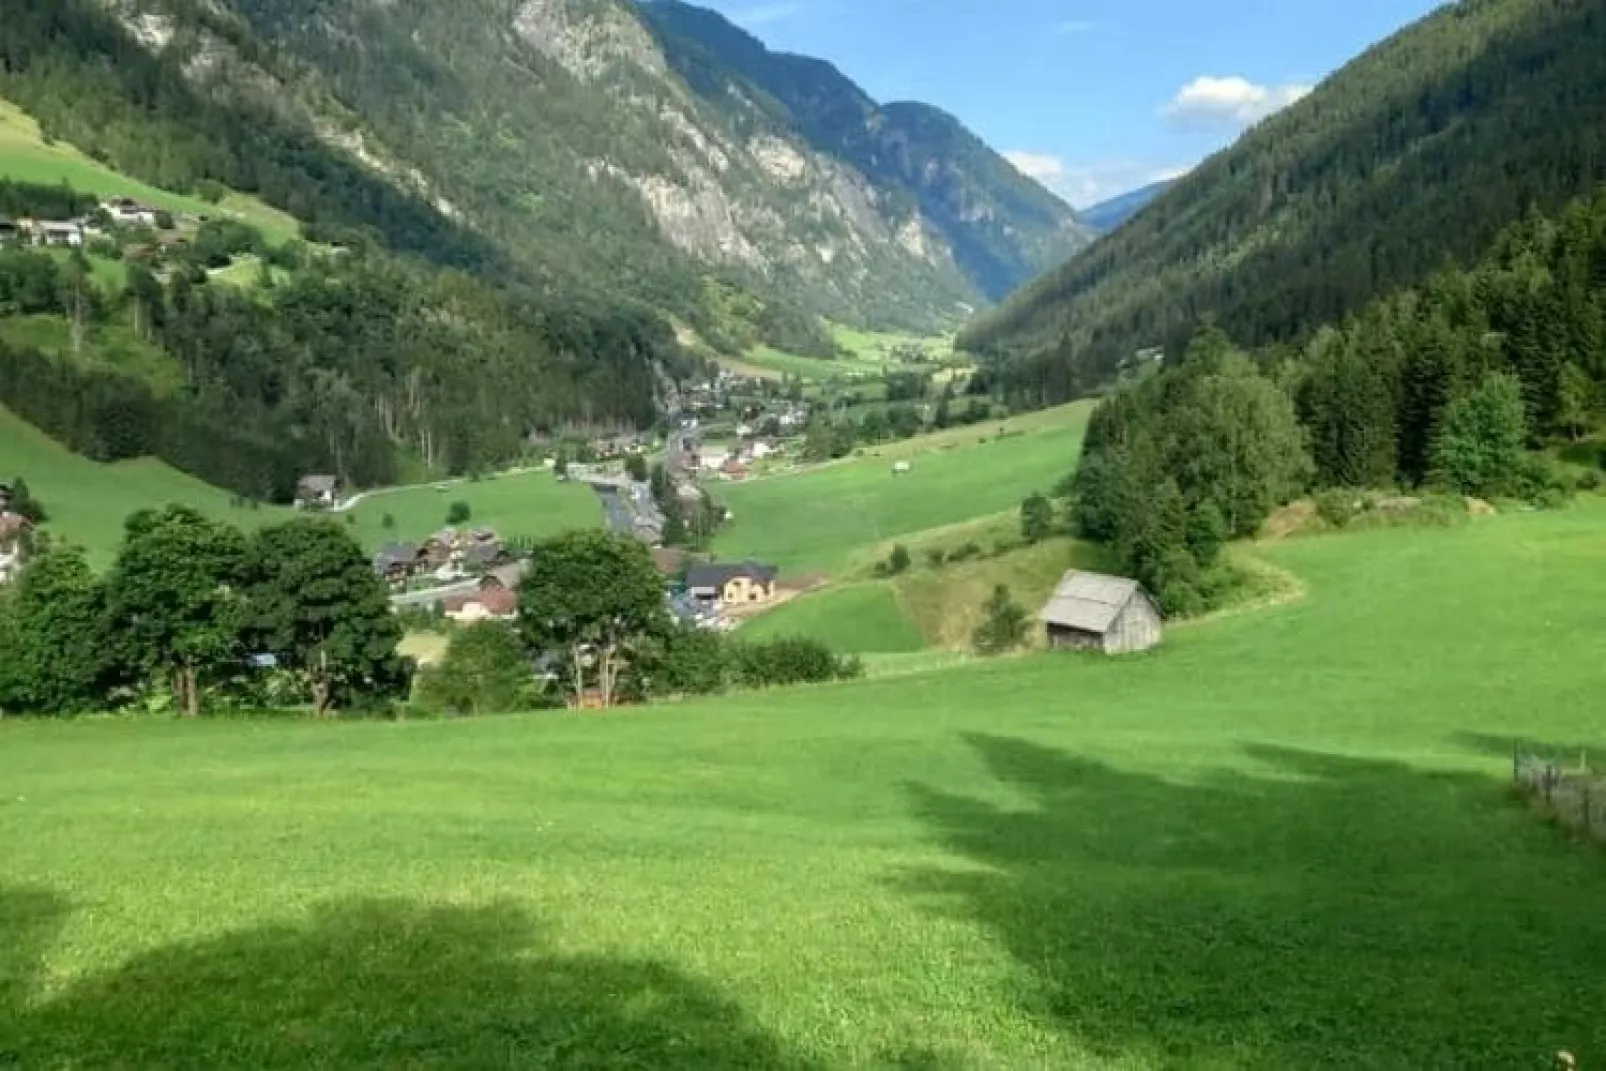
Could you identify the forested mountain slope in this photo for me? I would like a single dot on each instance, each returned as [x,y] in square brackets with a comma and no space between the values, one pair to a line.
[1108,215]
[554,138]
[1418,152]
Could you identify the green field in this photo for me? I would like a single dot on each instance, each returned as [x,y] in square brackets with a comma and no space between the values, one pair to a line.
[111,344]
[826,517]
[533,504]
[1282,841]
[25,157]
[860,618]
[88,501]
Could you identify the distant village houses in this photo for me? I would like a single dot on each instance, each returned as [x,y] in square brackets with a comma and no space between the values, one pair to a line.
[127,212]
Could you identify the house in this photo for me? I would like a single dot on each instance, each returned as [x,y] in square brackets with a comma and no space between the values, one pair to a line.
[712,458]
[399,562]
[127,212]
[733,469]
[763,448]
[899,468]
[737,582]
[317,492]
[506,577]
[1094,612]
[56,232]
[487,604]
[15,530]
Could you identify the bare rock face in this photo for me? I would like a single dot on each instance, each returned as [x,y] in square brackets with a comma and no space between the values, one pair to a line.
[587,37]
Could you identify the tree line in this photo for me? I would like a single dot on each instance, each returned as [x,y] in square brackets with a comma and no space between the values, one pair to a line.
[354,361]
[1451,386]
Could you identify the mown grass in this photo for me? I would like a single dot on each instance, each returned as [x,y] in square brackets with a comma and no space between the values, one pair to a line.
[860,618]
[826,517]
[25,157]
[1280,841]
[88,501]
[533,504]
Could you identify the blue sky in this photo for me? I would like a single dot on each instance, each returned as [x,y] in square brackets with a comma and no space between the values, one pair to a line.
[1093,97]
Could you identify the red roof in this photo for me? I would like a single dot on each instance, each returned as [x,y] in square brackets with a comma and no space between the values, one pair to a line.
[498,602]
[14,524]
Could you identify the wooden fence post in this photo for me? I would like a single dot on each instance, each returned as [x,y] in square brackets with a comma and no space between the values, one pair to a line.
[1516,760]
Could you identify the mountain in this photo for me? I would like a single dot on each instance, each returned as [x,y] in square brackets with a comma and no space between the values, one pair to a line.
[934,179]
[1419,151]
[1108,215]
[595,145]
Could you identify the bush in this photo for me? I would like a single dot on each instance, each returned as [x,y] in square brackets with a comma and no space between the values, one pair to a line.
[966,552]
[936,557]
[1005,626]
[898,561]
[693,661]
[459,512]
[1338,506]
[1589,480]
[789,660]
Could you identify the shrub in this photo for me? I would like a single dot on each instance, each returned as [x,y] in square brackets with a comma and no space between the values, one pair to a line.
[936,557]
[1338,506]
[1004,628]
[459,512]
[898,561]
[789,660]
[387,522]
[966,552]
[1589,480]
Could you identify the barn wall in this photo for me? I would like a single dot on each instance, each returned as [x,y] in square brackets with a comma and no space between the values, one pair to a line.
[1137,628]
[1070,639]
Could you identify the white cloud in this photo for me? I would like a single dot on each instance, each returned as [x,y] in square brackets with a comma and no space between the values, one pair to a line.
[1229,101]
[765,13]
[1087,184]
[1070,26]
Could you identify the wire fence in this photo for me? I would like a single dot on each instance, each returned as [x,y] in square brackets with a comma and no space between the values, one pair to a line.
[1569,788]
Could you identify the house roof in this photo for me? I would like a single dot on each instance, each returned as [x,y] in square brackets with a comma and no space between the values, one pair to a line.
[317,484]
[718,574]
[396,554]
[499,602]
[510,574]
[1089,602]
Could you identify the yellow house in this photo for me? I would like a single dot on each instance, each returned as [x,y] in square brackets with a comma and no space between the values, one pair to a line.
[739,582]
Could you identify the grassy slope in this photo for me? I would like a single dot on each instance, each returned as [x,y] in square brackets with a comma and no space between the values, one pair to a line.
[25,157]
[860,618]
[112,344]
[946,603]
[1281,841]
[832,516]
[88,501]
[524,504]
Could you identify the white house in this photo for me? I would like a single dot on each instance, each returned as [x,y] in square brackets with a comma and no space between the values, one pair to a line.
[712,458]
[762,449]
[67,232]
[129,212]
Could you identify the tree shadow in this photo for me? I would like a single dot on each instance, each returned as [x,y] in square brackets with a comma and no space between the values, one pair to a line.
[1325,912]
[392,984]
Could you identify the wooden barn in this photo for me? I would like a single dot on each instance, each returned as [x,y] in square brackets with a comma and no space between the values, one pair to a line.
[1094,612]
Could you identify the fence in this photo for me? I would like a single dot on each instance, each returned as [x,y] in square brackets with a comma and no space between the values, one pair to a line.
[1569,789]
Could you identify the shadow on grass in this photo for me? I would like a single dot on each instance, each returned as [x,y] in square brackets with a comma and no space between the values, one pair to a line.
[1329,912]
[370,984]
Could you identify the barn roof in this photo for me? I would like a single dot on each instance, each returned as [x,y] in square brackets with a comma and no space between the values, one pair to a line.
[1089,602]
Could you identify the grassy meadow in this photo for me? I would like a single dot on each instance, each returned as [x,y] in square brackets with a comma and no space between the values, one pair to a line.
[1280,841]
[826,517]
[532,503]
[863,618]
[25,156]
[88,501]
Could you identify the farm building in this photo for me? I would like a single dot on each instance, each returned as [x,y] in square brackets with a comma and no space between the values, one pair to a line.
[738,582]
[1091,611]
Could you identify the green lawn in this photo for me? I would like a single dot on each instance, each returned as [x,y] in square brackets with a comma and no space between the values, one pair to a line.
[532,504]
[88,501]
[1282,841]
[25,157]
[853,619]
[832,516]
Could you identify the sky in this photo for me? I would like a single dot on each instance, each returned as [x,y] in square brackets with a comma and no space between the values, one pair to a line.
[1090,97]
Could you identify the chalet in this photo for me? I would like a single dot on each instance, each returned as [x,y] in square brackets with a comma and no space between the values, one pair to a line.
[317,492]
[127,212]
[1094,612]
[68,232]
[739,582]
[399,562]
[487,604]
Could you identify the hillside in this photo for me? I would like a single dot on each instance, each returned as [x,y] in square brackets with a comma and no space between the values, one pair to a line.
[1281,841]
[1108,215]
[553,138]
[1419,151]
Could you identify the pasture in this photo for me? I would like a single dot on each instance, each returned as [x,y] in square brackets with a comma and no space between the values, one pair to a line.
[25,156]
[1280,841]
[531,504]
[834,517]
[87,501]
[862,618]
